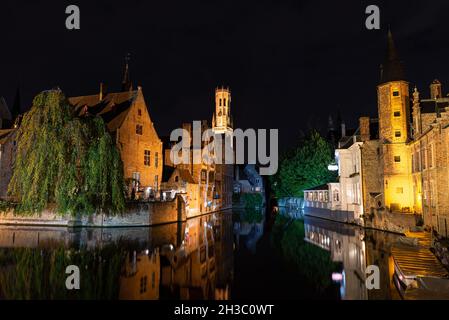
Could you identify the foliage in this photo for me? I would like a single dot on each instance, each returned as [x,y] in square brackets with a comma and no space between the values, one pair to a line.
[251,215]
[6,206]
[252,200]
[304,167]
[65,161]
[30,273]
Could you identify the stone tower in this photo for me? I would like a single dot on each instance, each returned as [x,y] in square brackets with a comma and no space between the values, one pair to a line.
[222,120]
[222,127]
[394,131]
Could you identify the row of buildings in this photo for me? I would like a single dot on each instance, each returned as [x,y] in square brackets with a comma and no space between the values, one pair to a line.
[394,170]
[148,171]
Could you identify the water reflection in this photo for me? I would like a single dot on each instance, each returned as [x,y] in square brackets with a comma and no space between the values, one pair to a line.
[191,260]
[354,249]
[217,256]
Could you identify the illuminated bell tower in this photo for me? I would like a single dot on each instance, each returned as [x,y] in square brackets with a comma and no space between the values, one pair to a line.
[222,120]
[394,132]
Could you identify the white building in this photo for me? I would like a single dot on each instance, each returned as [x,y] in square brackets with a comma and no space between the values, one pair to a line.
[349,159]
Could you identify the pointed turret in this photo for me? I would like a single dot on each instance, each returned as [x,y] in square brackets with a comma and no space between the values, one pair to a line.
[126,82]
[15,111]
[392,69]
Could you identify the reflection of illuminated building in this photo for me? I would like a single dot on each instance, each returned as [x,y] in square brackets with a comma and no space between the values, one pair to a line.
[345,246]
[190,271]
[191,260]
[355,249]
[140,279]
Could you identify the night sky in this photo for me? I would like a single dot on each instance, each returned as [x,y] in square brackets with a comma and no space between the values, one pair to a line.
[289,63]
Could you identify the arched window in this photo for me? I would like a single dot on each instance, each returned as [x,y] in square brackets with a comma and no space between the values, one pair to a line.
[224,102]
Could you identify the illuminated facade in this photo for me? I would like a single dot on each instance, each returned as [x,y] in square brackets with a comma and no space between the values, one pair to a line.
[395,168]
[430,158]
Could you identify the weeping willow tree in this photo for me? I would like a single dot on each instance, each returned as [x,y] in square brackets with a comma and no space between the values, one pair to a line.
[64,161]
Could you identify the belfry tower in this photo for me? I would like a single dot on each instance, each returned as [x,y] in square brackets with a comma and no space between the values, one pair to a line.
[222,127]
[394,131]
[222,119]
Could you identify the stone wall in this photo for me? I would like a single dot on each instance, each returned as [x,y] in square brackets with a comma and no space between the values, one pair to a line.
[393,222]
[137,214]
[334,215]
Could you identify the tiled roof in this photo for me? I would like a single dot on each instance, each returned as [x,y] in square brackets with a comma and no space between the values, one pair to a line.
[113,108]
[186,176]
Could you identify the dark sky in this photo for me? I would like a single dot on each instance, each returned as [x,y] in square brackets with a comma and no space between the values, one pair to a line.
[288,63]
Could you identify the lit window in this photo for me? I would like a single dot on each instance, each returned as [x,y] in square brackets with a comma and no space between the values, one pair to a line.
[147,158]
[139,129]
[397,159]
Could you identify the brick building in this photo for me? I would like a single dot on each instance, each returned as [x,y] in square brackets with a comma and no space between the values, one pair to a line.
[395,168]
[128,120]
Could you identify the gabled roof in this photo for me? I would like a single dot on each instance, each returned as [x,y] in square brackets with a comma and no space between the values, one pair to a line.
[113,108]
[167,172]
[186,176]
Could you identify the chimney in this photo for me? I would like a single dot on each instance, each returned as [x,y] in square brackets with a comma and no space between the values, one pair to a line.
[343,129]
[435,90]
[364,123]
[102,93]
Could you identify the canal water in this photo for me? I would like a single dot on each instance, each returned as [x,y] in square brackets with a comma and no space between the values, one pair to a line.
[227,255]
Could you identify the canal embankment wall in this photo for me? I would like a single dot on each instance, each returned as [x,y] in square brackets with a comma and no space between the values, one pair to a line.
[135,214]
[379,220]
